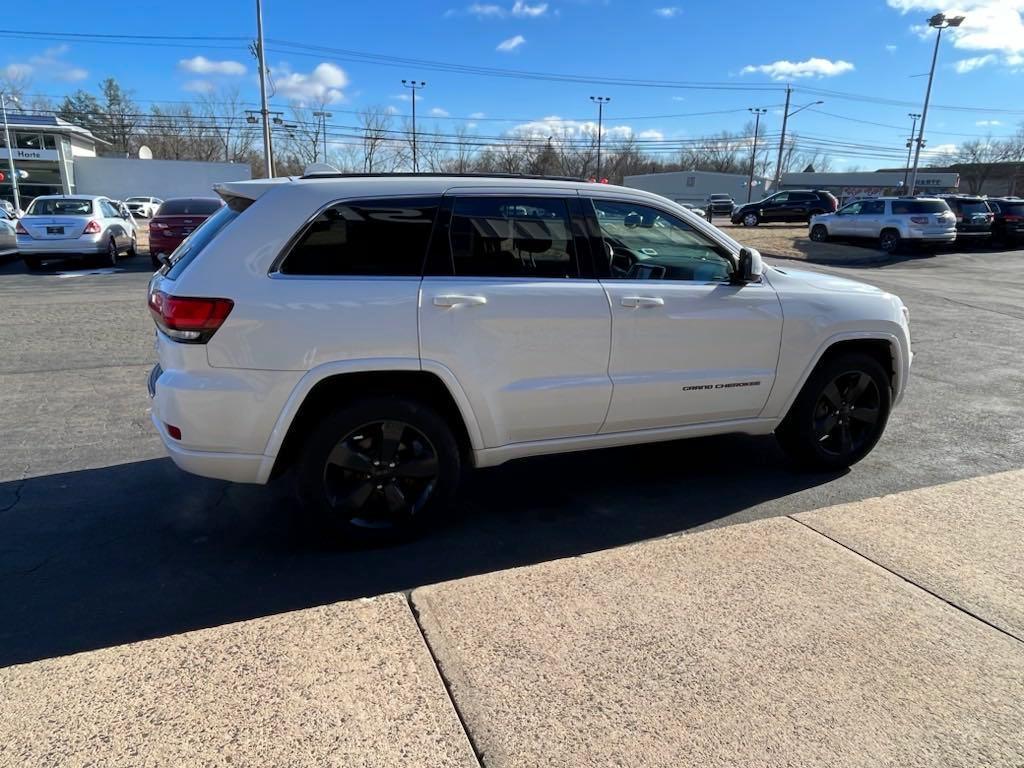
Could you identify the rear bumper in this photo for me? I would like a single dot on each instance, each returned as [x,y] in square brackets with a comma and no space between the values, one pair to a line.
[931,237]
[233,467]
[59,249]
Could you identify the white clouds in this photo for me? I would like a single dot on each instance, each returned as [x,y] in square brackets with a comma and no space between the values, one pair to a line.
[892,48]
[669,12]
[651,134]
[477,116]
[996,26]
[969,65]
[988,123]
[200,65]
[484,10]
[49,65]
[939,150]
[525,10]
[199,86]
[678,98]
[323,84]
[511,44]
[813,67]
[391,109]
[556,128]
[438,112]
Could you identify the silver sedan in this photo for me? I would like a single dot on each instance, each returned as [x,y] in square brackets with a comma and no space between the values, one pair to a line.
[74,227]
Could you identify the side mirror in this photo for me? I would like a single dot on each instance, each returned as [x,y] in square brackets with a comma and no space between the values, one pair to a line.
[749,267]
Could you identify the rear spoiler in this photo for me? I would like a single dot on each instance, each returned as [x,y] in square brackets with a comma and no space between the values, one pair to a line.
[247,190]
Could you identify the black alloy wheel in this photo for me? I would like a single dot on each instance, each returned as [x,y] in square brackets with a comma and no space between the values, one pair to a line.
[846,414]
[112,253]
[889,241]
[380,474]
[819,233]
[378,470]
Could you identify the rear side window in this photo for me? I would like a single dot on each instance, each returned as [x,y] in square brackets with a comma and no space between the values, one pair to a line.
[904,207]
[512,237]
[186,206]
[386,237]
[1012,208]
[194,244]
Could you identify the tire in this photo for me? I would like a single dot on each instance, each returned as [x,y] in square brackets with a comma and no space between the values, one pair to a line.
[154,261]
[839,414]
[132,250]
[750,220]
[110,260]
[889,241]
[359,490]
[32,263]
[819,233]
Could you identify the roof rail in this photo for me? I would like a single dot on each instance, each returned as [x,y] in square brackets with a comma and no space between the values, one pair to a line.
[404,174]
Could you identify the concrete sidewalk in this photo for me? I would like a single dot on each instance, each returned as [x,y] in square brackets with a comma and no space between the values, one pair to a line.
[763,644]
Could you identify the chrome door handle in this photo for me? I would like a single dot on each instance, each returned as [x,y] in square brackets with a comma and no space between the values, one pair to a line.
[642,301]
[455,301]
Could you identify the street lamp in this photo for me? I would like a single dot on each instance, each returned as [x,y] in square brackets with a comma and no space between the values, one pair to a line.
[786,114]
[753,152]
[600,101]
[323,127]
[940,21]
[414,85]
[10,149]
[914,116]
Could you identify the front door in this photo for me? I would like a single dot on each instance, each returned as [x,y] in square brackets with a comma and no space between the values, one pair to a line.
[844,223]
[687,346]
[869,222]
[511,314]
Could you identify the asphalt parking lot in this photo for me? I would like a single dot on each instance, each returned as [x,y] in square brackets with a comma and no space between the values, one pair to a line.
[103,541]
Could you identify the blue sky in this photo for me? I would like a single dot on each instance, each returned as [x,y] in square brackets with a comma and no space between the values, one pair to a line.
[872,50]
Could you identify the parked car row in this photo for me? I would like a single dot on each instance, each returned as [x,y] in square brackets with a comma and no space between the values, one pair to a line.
[896,222]
[94,227]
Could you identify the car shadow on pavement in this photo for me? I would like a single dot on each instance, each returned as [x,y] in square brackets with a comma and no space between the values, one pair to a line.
[108,556]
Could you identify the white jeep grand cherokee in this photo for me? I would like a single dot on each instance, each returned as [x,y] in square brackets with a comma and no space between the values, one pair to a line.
[376,335]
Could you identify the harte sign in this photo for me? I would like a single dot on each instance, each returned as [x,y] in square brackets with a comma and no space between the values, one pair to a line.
[30,154]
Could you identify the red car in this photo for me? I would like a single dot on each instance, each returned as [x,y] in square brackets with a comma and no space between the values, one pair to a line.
[175,220]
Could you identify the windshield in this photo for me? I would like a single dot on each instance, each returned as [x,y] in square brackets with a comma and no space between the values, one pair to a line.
[59,207]
[918,206]
[184,207]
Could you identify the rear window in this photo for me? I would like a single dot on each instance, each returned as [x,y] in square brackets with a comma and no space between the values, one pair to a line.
[385,237]
[185,207]
[902,207]
[1014,208]
[54,207]
[194,244]
[973,206]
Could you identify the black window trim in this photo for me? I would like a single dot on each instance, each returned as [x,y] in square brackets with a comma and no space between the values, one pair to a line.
[440,262]
[274,271]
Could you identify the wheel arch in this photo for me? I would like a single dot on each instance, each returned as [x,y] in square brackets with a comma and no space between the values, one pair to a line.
[883,347]
[328,385]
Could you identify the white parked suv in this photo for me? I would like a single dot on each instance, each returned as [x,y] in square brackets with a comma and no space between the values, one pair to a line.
[377,335]
[892,221]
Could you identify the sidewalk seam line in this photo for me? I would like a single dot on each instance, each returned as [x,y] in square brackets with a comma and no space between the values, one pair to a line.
[477,753]
[900,576]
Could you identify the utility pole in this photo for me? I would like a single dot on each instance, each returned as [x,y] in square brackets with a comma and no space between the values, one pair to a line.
[910,143]
[600,101]
[782,140]
[940,22]
[753,152]
[10,154]
[414,85]
[323,128]
[268,149]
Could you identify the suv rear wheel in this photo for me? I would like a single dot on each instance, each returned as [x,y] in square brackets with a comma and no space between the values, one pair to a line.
[889,240]
[378,471]
[839,414]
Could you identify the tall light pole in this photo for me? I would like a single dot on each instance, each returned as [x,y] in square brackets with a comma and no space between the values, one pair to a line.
[268,149]
[753,152]
[414,85]
[940,22]
[600,101]
[910,143]
[10,151]
[786,114]
[323,128]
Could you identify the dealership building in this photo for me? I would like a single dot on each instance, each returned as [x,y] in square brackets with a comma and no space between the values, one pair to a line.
[858,184]
[54,157]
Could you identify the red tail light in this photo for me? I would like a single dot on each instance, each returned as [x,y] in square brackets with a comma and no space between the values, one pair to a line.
[186,319]
[92,228]
[1012,217]
[19,228]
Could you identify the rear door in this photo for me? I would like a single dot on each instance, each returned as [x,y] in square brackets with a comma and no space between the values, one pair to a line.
[687,346]
[776,207]
[510,307]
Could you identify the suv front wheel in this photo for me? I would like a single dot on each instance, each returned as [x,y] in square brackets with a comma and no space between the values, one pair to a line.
[839,414]
[378,471]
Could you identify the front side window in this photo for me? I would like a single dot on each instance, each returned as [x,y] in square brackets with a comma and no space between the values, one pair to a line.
[643,243]
[512,237]
[782,197]
[852,209]
[385,237]
[873,208]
